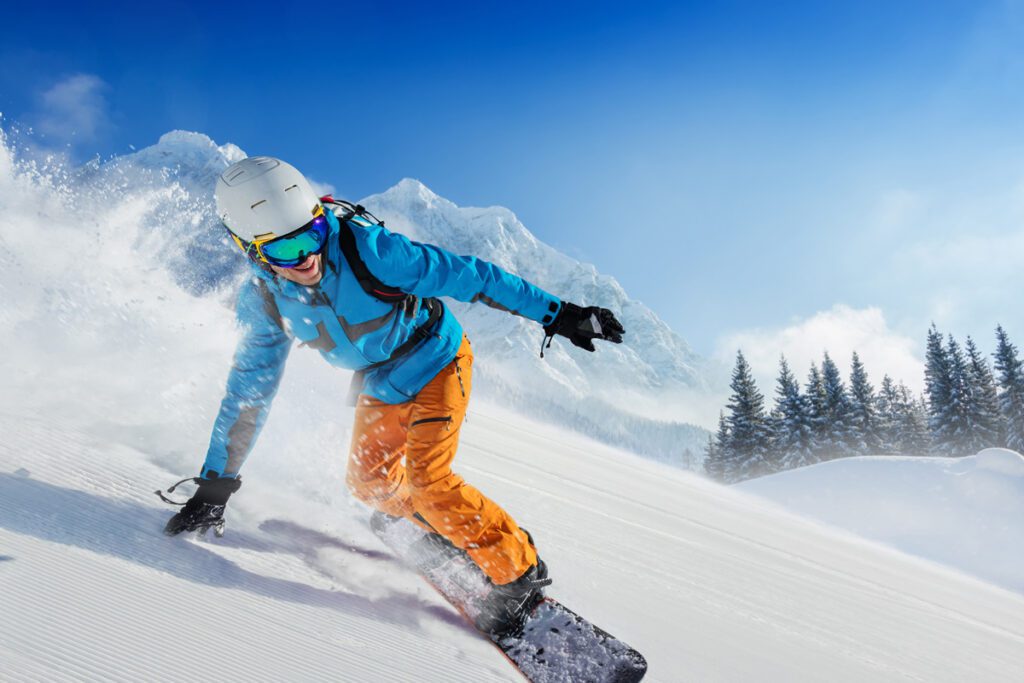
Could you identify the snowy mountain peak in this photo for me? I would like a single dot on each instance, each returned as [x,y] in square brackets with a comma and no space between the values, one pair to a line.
[412,190]
[187,148]
[177,138]
[413,193]
[661,359]
[185,153]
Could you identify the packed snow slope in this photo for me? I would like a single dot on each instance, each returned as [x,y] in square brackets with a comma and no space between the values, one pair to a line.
[967,513]
[708,583]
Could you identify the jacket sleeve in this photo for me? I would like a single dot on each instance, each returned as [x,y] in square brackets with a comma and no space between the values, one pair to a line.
[426,270]
[252,383]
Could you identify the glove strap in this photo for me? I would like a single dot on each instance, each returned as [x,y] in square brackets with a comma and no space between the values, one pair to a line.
[194,480]
[545,343]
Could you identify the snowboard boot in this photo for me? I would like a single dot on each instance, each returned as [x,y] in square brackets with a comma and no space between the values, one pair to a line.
[380,522]
[504,610]
[433,551]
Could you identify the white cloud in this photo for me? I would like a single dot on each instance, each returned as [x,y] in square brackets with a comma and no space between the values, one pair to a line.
[970,255]
[74,109]
[322,189]
[840,331]
[963,266]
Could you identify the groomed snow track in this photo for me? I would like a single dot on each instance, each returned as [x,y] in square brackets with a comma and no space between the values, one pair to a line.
[709,584]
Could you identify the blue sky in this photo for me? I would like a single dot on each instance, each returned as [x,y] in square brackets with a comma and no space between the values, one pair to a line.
[759,175]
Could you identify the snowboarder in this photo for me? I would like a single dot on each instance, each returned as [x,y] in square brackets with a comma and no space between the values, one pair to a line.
[330,275]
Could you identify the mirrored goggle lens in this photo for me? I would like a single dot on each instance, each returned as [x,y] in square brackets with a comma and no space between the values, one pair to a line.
[291,250]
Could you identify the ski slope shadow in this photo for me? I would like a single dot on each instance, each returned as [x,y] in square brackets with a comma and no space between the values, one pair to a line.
[132,532]
[282,535]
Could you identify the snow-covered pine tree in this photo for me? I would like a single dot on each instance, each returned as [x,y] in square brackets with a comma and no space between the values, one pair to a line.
[689,460]
[748,426]
[938,388]
[1011,390]
[913,436]
[773,458]
[864,429]
[985,424]
[793,437]
[887,405]
[723,437]
[956,424]
[917,438]
[816,401]
[715,464]
[710,455]
[836,442]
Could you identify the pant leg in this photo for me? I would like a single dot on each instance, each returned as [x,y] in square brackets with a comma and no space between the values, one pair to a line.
[452,507]
[376,474]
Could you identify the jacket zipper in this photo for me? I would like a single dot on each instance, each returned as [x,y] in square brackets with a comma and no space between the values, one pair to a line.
[458,373]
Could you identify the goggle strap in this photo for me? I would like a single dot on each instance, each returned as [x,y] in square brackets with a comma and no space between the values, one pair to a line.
[250,249]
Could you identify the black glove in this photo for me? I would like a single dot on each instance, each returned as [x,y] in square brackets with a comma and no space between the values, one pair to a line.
[583,325]
[205,509]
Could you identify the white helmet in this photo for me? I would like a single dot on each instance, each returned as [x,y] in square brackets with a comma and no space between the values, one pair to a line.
[263,197]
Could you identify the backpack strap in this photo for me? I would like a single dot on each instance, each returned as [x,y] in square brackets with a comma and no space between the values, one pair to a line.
[435,310]
[373,286]
[370,283]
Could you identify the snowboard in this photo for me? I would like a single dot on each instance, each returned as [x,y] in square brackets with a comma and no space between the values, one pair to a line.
[556,644]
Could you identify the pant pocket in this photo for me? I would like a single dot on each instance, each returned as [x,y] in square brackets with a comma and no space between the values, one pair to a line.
[427,420]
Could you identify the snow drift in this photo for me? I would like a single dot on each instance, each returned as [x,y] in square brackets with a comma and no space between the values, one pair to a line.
[967,513]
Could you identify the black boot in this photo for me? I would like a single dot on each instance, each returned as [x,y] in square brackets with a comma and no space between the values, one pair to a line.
[381,521]
[433,551]
[504,610]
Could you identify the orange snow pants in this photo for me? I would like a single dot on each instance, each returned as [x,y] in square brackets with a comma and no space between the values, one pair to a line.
[424,432]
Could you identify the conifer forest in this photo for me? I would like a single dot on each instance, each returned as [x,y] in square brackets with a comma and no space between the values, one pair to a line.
[968,404]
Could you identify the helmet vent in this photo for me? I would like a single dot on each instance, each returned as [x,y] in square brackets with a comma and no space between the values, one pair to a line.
[249,169]
[261,196]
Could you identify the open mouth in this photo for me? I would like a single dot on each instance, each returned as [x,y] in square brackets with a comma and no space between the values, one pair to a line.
[307,266]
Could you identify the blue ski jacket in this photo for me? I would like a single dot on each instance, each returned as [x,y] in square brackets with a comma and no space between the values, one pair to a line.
[355,330]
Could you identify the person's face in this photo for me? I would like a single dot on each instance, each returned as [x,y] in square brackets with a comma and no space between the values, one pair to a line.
[307,273]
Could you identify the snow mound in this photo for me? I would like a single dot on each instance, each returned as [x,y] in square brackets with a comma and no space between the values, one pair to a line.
[962,512]
[1002,460]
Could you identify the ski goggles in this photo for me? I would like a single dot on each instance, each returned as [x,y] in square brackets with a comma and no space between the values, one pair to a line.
[292,249]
